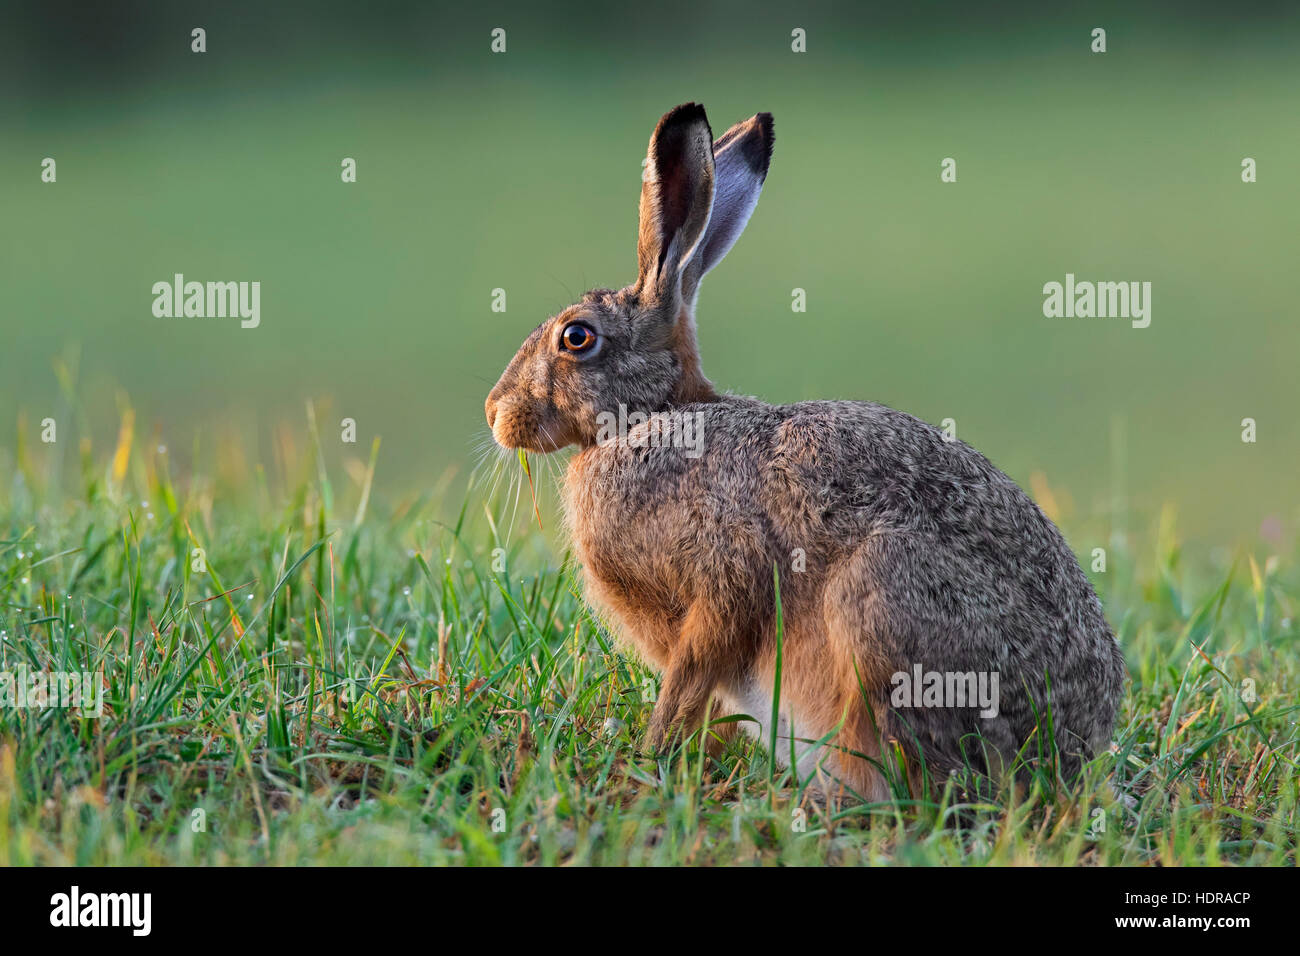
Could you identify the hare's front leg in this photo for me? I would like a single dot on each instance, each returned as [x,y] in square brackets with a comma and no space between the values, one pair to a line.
[704,654]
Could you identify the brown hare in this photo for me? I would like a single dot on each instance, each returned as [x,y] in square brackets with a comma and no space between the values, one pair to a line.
[899,553]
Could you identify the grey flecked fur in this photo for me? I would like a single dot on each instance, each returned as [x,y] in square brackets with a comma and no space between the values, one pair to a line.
[914,549]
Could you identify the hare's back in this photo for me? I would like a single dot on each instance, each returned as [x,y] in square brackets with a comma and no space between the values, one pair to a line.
[832,476]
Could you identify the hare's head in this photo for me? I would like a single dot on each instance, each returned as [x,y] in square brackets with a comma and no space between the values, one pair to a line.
[636,347]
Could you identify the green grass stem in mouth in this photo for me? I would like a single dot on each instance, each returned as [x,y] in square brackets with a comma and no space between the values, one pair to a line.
[532,491]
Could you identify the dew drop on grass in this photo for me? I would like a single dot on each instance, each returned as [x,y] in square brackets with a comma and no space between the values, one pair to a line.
[406,591]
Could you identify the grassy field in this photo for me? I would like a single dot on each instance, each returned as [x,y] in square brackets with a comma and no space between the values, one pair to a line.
[378,295]
[342,680]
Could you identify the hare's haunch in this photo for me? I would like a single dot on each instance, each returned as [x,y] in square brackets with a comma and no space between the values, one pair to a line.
[926,601]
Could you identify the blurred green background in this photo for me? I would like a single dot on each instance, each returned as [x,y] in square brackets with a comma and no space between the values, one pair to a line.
[521,170]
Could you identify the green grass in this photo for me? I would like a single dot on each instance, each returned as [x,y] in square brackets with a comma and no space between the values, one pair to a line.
[350,681]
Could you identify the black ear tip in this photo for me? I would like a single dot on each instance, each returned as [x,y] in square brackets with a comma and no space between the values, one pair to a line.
[769,136]
[757,150]
[686,112]
[685,115]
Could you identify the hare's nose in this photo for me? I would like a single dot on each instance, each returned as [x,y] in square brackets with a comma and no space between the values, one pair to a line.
[490,407]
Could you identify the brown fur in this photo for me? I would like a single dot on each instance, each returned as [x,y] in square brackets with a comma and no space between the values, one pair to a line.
[912,550]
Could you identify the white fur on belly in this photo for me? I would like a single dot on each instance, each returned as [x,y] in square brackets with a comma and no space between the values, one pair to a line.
[754,699]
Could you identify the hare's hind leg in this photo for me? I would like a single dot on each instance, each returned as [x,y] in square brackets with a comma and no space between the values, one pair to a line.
[861,657]
[898,605]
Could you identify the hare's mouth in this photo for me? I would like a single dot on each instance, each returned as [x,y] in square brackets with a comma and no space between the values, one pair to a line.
[532,445]
[514,428]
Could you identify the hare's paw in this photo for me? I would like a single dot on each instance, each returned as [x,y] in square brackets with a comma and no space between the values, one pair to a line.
[663,732]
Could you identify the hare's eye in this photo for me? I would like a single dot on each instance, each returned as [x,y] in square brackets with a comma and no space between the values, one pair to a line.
[578,337]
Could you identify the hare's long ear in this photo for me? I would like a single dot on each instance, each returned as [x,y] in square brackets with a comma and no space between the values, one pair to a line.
[676,198]
[740,160]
